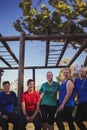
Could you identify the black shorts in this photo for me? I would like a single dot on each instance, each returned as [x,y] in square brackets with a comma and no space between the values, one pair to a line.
[48,114]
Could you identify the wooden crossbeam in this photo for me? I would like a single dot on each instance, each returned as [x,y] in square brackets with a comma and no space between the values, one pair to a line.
[5,61]
[34,67]
[9,49]
[78,53]
[45,37]
[62,51]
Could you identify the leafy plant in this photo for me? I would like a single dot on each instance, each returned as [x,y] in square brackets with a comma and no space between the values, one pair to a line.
[66,17]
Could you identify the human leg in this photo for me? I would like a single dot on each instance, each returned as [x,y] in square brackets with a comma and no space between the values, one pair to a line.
[59,121]
[81,113]
[3,124]
[51,115]
[22,122]
[68,117]
[14,119]
[44,114]
[37,122]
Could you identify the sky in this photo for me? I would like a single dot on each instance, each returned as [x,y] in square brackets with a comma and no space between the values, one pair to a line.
[34,50]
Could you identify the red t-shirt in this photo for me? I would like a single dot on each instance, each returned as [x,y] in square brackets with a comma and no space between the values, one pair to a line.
[30,99]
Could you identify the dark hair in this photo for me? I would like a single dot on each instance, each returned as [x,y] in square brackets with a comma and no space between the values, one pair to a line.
[30,80]
[5,82]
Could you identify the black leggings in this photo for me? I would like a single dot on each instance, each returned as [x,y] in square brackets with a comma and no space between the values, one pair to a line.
[65,115]
[81,115]
[48,113]
[13,118]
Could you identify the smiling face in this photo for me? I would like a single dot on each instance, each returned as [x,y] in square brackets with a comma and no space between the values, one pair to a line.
[82,73]
[67,73]
[49,76]
[6,87]
[31,86]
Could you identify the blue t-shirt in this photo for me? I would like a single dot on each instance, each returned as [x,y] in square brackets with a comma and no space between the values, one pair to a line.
[62,94]
[7,102]
[81,89]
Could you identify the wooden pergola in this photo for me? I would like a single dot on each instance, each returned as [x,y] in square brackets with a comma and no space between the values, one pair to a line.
[52,59]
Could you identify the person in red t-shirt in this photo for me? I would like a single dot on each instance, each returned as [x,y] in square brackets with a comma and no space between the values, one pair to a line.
[30,101]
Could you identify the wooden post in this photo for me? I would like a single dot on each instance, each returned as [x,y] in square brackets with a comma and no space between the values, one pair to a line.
[1,73]
[85,62]
[34,75]
[21,68]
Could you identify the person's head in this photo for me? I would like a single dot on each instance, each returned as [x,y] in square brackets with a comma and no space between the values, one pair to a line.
[82,72]
[6,86]
[67,73]
[30,84]
[49,76]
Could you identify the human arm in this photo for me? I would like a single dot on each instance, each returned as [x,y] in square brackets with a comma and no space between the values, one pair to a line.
[23,107]
[4,116]
[37,108]
[36,112]
[41,89]
[69,90]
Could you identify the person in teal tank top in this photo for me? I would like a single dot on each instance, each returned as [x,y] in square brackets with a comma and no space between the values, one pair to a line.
[48,103]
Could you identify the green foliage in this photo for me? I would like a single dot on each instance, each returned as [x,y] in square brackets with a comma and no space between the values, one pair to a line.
[67,16]
[60,76]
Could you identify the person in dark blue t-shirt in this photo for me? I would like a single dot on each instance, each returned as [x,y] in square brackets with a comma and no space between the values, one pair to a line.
[8,101]
[81,91]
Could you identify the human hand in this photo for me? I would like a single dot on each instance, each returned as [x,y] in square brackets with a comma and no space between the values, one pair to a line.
[5,117]
[32,118]
[60,108]
[28,118]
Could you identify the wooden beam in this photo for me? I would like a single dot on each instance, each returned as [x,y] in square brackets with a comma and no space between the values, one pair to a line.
[35,67]
[62,51]
[78,53]
[47,52]
[85,63]
[71,30]
[1,58]
[48,32]
[21,68]
[9,49]
[52,50]
[1,73]
[33,73]
[45,37]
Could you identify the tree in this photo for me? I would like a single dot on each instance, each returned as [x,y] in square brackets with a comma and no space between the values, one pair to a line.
[74,71]
[67,17]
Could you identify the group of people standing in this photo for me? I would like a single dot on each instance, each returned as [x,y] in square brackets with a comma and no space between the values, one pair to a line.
[43,108]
